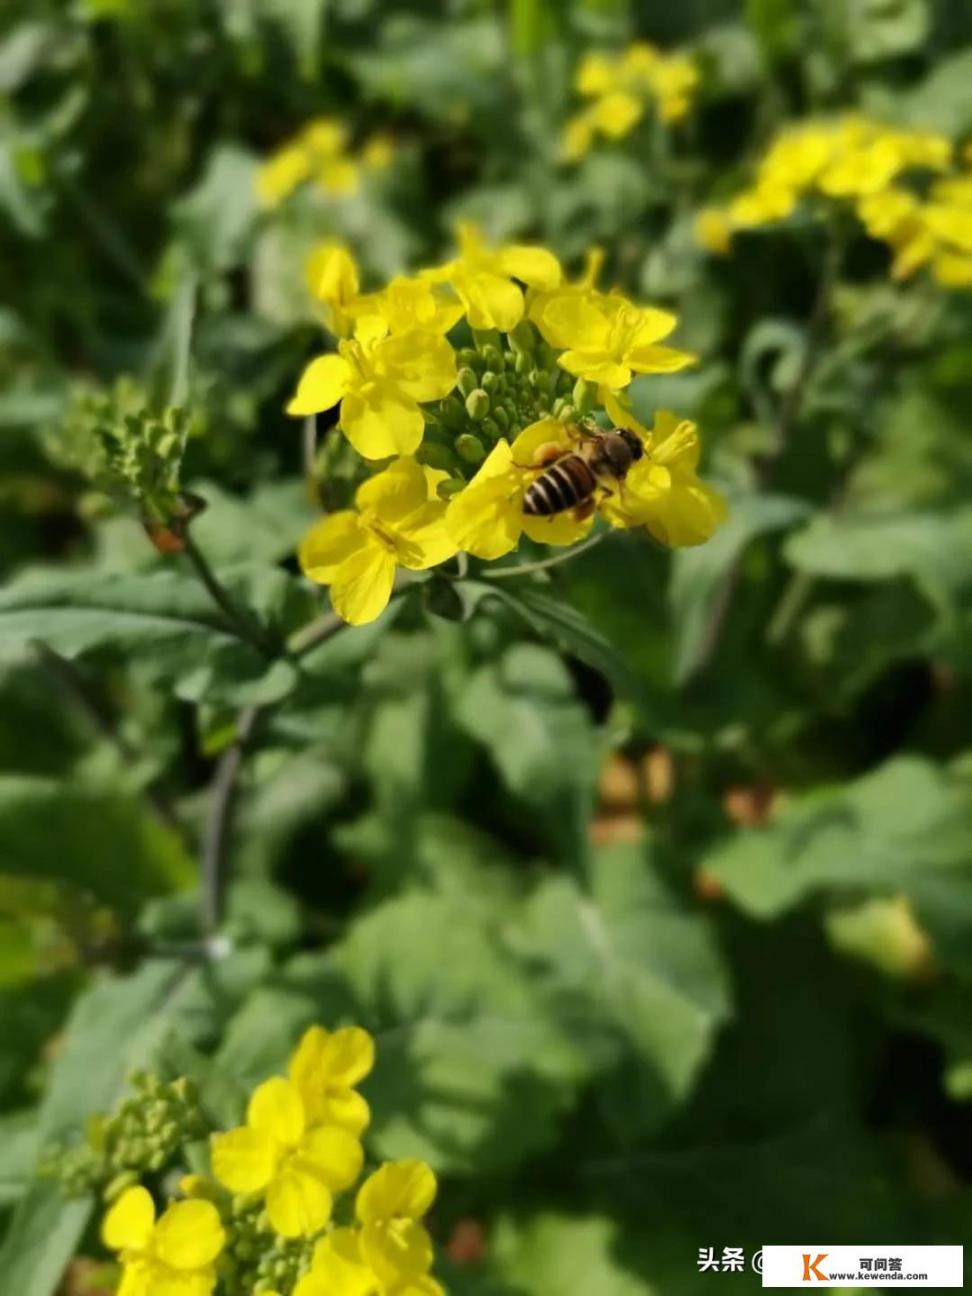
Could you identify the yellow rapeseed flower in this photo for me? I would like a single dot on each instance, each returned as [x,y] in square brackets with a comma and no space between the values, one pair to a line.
[608,339]
[390,1206]
[338,1269]
[483,277]
[326,1065]
[663,491]
[380,382]
[172,1256]
[486,519]
[296,1166]
[356,552]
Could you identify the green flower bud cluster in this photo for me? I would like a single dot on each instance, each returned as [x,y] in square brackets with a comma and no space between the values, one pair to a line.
[125,450]
[143,1136]
[506,382]
[257,1260]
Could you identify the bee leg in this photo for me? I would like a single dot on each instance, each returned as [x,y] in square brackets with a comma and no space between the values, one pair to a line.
[585,509]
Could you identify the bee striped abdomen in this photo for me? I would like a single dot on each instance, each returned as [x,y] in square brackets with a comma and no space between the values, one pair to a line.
[562,486]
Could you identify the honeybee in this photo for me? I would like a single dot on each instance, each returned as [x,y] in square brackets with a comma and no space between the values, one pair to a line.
[570,478]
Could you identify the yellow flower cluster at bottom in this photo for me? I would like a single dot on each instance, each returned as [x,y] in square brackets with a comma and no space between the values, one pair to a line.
[264,1222]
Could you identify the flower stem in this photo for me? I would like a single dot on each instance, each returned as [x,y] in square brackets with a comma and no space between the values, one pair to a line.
[527,569]
[243,623]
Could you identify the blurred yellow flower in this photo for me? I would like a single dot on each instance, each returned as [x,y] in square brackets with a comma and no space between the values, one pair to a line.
[395,523]
[380,381]
[483,277]
[332,278]
[713,230]
[319,154]
[172,1256]
[295,1165]
[621,87]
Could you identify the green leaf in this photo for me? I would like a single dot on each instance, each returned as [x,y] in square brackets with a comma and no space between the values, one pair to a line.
[934,549]
[115,1026]
[559,623]
[943,101]
[567,1254]
[552,763]
[217,217]
[164,618]
[698,575]
[102,842]
[907,826]
[18,1137]
[629,972]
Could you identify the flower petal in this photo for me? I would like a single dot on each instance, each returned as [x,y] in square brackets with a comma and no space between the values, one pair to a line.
[404,1189]
[345,1108]
[486,518]
[560,529]
[572,321]
[384,423]
[328,543]
[597,367]
[128,1225]
[334,1155]
[655,359]
[396,1249]
[532,265]
[276,1111]
[322,384]
[491,300]
[338,1269]
[189,1235]
[422,364]
[298,1203]
[394,493]
[363,585]
[243,1160]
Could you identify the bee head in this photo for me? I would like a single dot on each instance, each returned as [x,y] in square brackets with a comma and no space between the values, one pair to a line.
[633,442]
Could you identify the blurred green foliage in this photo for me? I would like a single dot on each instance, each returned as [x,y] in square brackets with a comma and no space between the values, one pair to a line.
[652,875]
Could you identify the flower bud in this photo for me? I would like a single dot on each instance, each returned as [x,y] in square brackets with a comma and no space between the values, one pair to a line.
[490,379]
[489,427]
[494,358]
[434,455]
[452,486]
[568,414]
[470,448]
[500,417]
[585,396]
[477,404]
[523,363]
[468,382]
[453,409]
[127,1179]
[522,338]
[485,338]
[470,358]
